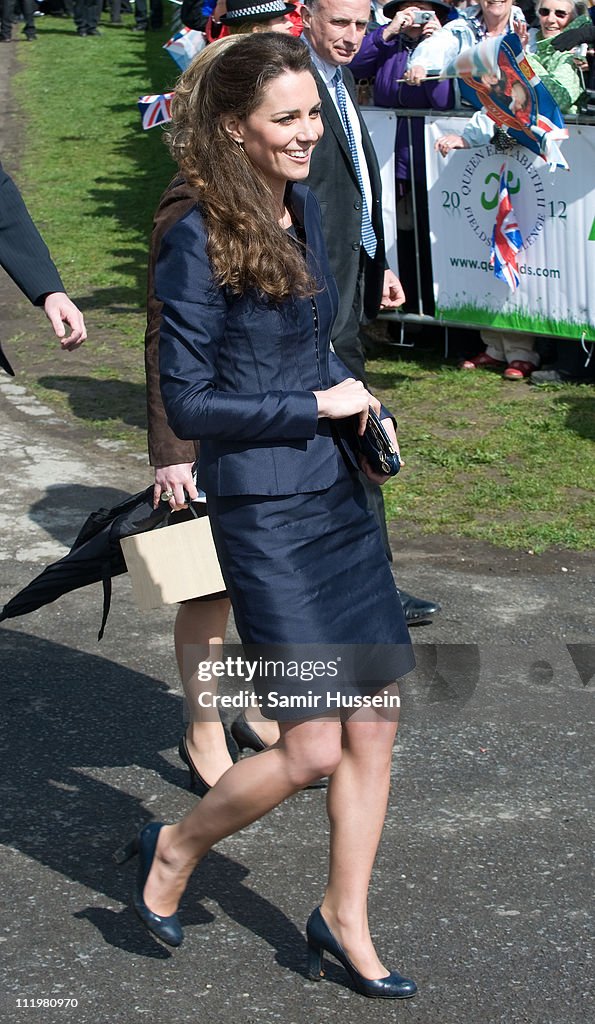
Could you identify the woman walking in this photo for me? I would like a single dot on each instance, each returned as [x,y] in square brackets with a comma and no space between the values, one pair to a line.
[248,304]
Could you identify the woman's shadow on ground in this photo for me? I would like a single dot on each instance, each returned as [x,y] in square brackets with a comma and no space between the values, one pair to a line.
[80,715]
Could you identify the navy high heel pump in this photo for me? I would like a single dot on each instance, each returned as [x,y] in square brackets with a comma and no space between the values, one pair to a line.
[196,782]
[168,929]
[245,736]
[321,940]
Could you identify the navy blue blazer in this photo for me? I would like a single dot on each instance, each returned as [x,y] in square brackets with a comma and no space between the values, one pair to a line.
[238,372]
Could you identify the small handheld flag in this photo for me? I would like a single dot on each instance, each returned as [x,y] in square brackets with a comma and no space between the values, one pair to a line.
[506,238]
[155,109]
[184,45]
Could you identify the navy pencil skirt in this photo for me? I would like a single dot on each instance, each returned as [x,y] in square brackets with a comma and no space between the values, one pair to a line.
[308,572]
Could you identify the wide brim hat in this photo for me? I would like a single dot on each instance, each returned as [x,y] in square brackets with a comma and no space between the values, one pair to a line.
[442,10]
[250,10]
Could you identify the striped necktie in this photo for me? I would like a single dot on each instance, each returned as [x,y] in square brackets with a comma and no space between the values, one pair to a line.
[368,236]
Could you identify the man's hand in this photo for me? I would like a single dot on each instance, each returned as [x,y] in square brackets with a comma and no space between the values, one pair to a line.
[392,291]
[59,310]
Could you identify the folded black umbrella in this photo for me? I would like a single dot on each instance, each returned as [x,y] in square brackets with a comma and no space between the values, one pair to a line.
[4,363]
[95,556]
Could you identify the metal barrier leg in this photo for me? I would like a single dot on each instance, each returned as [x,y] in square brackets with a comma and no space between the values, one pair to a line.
[420,305]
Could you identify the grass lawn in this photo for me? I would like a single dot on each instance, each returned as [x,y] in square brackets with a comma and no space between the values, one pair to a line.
[487,459]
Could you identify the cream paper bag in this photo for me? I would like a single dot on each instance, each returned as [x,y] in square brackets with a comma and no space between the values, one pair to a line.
[173,563]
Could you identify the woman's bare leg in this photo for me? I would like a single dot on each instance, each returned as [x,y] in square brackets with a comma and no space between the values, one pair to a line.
[200,626]
[356,803]
[252,787]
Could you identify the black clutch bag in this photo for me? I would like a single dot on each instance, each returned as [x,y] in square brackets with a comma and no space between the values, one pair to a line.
[378,448]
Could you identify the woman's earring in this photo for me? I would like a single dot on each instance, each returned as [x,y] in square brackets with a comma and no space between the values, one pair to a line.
[238,142]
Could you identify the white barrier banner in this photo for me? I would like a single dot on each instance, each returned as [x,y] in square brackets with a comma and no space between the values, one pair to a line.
[556,216]
[382,126]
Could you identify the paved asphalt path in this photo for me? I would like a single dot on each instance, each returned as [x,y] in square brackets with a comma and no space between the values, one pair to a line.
[482,884]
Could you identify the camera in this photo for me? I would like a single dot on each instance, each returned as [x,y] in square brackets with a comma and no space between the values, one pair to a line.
[420,17]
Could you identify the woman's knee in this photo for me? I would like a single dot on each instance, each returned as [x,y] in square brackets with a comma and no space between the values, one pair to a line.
[312,752]
[371,740]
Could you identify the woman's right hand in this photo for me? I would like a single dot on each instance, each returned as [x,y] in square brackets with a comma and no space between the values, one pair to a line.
[401,20]
[349,398]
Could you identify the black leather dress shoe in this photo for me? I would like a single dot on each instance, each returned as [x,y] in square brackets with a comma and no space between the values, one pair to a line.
[417,612]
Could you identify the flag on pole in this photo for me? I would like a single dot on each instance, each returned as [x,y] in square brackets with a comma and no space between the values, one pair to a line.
[184,45]
[506,238]
[516,99]
[155,109]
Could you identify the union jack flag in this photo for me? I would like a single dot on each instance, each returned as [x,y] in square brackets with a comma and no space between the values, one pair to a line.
[184,45]
[506,238]
[155,109]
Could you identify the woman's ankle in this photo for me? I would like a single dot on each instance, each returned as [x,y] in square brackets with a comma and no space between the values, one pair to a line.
[207,736]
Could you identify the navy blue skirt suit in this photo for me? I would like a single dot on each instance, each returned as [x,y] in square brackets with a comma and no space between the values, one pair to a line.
[300,552]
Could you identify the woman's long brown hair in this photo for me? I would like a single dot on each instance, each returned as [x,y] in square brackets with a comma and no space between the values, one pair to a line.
[247,246]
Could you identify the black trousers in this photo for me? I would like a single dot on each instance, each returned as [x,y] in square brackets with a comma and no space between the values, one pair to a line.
[141,13]
[86,14]
[9,10]
[348,346]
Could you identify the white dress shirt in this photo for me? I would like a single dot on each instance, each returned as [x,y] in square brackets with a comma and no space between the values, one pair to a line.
[327,73]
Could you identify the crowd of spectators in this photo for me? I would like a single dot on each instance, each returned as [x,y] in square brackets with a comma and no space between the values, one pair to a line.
[407,45]
[85,15]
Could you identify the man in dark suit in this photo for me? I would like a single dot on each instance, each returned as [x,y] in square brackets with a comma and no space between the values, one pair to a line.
[333,30]
[346,179]
[25,257]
